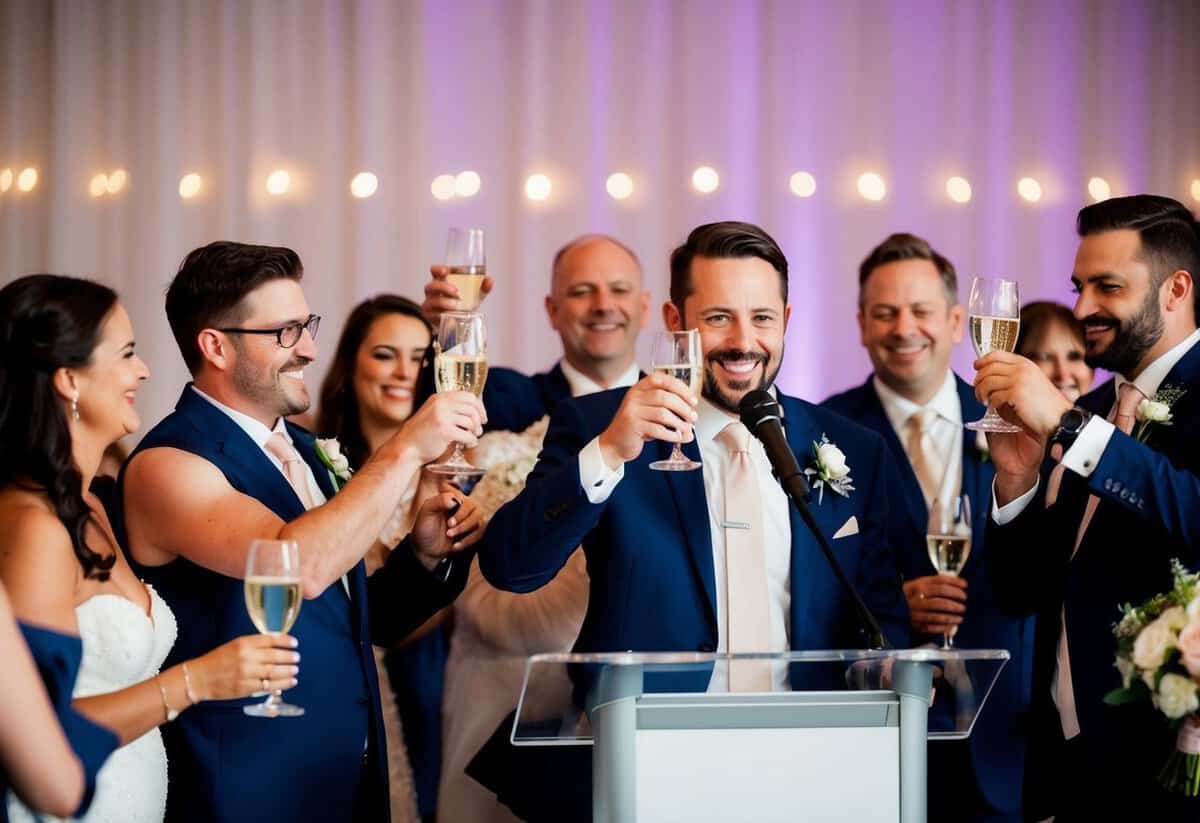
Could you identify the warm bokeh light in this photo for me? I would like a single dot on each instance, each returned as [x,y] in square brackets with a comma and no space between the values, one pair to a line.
[705,179]
[189,185]
[467,184]
[537,187]
[1029,189]
[958,189]
[278,182]
[619,185]
[6,180]
[802,184]
[364,185]
[98,186]
[1099,189]
[1195,189]
[442,186]
[871,186]
[27,179]
[117,181]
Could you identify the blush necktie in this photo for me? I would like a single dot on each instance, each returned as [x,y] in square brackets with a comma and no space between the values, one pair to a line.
[293,466]
[922,452]
[1122,415]
[745,564]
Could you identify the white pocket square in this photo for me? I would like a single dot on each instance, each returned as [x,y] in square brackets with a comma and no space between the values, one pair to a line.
[850,527]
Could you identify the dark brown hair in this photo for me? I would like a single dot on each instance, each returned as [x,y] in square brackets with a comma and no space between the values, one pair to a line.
[904,246]
[720,241]
[1041,315]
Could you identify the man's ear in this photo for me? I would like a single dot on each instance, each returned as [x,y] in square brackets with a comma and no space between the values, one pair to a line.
[551,312]
[216,348]
[1178,288]
[672,317]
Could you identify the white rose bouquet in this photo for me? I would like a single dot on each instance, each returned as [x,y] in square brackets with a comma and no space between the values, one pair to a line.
[1158,655]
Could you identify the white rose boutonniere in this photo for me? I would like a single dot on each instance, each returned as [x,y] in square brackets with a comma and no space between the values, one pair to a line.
[329,452]
[1156,410]
[829,470]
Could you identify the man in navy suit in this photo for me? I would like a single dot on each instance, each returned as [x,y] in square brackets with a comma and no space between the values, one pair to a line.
[225,469]
[596,305]
[910,321]
[1100,529]
[658,543]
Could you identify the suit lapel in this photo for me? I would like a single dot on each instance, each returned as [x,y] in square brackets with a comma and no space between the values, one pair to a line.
[687,488]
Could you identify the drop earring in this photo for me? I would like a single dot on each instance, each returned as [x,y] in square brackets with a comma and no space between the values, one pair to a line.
[75,406]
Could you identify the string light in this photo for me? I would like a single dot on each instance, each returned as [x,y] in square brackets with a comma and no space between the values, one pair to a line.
[1099,189]
[278,182]
[958,189]
[117,180]
[189,185]
[802,184]
[537,187]
[705,179]
[619,185]
[1029,189]
[442,187]
[364,185]
[98,186]
[467,184]
[871,186]
[1195,189]
[27,179]
[6,180]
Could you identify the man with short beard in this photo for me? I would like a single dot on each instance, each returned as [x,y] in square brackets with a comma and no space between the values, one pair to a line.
[226,469]
[1102,527]
[711,560]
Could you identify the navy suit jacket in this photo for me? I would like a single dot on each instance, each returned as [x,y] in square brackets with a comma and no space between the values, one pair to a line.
[1149,512]
[226,766]
[997,744]
[649,549]
[515,401]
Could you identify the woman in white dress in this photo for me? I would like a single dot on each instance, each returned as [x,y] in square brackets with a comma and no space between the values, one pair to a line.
[68,380]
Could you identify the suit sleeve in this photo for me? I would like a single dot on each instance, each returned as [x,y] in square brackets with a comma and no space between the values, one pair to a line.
[531,537]
[879,578]
[1027,555]
[1133,475]
[402,594]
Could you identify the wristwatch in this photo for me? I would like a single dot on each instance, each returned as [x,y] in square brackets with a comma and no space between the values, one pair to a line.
[1069,427]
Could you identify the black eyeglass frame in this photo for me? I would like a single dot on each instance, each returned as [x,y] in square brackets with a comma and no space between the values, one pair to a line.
[312,324]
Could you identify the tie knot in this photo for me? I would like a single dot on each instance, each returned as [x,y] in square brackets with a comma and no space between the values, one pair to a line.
[279,446]
[922,420]
[1128,397]
[735,437]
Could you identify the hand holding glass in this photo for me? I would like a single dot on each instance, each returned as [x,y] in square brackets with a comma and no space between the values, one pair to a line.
[677,354]
[273,599]
[467,265]
[460,364]
[993,320]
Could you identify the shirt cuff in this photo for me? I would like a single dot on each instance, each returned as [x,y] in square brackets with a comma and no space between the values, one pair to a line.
[1009,511]
[1084,454]
[596,478]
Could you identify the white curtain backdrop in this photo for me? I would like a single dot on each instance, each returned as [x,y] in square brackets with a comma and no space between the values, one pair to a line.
[917,91]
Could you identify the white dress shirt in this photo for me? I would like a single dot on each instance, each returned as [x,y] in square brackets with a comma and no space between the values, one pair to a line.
[598,482]
[581,384]
[947,438]
[1085,453]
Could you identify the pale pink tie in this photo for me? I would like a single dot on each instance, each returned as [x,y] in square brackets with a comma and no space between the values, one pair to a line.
[745,564]
[1123,415]
[922,451]
[293,467]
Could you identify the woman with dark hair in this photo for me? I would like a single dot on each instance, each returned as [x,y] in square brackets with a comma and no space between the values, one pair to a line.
[1052,337]
[68,380]
[382,371]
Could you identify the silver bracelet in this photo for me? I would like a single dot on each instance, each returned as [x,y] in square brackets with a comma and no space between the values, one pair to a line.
[187,686]
[171,713]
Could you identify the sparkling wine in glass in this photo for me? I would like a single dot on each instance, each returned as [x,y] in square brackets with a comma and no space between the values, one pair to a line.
[948,539]
[993,320]
[467,264]
[677,354]
[460,364]
[273,600]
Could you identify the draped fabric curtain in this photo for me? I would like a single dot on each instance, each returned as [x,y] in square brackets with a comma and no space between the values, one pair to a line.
[914,90]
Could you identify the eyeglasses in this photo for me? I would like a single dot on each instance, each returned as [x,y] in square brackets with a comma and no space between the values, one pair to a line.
[289,335]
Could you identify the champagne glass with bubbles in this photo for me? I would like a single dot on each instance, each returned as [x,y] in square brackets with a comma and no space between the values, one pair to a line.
[273,599]
[677,354]
[460,364]
[948,539]
[993,320]
[467,265]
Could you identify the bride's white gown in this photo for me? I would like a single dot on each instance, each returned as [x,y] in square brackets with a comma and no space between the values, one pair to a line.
[122,646]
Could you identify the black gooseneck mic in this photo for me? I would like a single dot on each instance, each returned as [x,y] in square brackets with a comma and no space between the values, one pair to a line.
[761,414]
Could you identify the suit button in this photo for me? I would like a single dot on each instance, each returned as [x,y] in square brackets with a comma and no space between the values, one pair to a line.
[1108,484]
[707,648]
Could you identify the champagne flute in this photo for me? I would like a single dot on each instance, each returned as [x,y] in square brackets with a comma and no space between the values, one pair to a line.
[467,264]
[273,599]
[948,539]
[993,320]
[677,354]
[460,364]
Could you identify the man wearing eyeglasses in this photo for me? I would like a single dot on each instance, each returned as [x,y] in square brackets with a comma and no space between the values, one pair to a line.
[225,469]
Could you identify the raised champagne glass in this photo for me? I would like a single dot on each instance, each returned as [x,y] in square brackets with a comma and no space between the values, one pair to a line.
[677,354]
[993,320]
[948,539]
[460,364]
[467,265]
[273,599]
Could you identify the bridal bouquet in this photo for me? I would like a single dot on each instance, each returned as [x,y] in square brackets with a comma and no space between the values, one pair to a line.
[1158,655]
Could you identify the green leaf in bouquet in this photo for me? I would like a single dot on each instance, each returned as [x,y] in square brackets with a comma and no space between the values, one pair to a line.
[1123,697]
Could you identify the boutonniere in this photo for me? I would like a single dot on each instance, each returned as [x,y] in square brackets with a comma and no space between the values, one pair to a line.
[329,452]
[829,470]
[1156,410]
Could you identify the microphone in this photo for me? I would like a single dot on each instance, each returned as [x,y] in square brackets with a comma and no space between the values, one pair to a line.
[762,415]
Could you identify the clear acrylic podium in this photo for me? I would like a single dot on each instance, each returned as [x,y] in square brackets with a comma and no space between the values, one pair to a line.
[842,736]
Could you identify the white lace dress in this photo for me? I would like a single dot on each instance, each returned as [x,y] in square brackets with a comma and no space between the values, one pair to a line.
[122,646]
